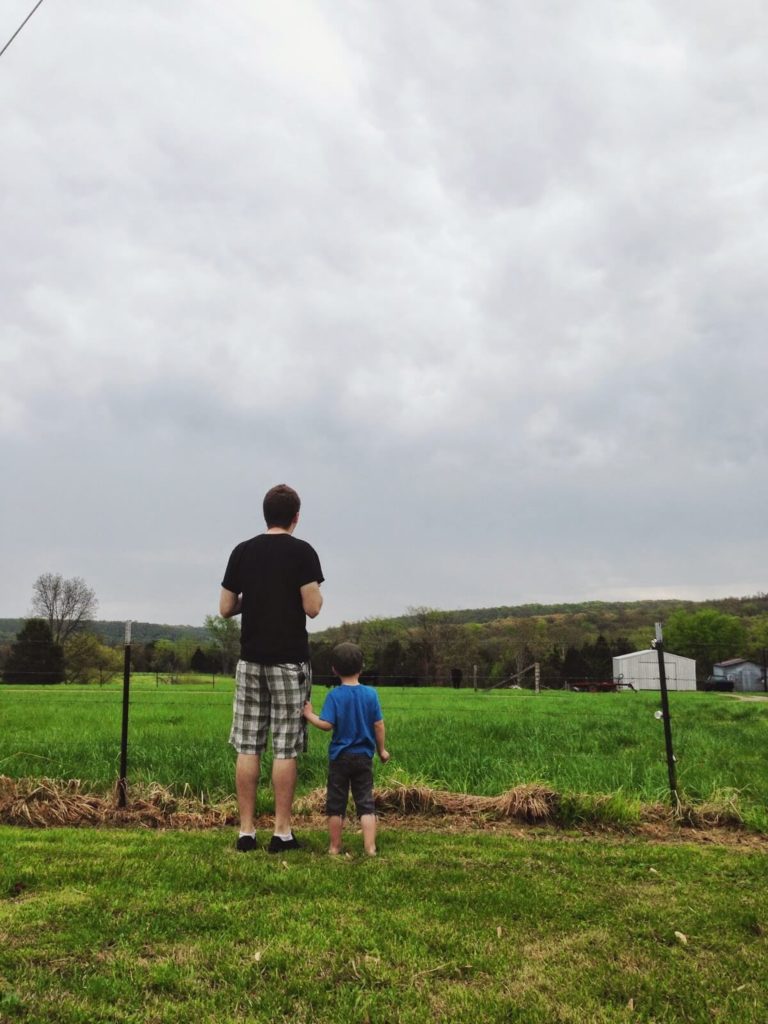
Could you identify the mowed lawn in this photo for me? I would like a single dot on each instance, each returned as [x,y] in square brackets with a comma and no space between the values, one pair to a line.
[482,743]
[142,927]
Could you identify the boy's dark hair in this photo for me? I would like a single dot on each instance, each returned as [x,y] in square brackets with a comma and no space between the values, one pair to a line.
[281,506]
[347,659]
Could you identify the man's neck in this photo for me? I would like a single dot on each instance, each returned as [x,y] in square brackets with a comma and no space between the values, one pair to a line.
[351,681]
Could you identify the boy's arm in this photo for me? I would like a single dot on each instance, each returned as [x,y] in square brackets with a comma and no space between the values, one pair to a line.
[310,716]
[378,731]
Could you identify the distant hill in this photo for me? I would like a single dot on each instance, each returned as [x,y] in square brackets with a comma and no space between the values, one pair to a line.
[113,632]
[612,618]
[590,618]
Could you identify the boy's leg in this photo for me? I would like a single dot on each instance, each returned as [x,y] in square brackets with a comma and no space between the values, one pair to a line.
[368,823]
[335,828]
[336,798]
[362,792]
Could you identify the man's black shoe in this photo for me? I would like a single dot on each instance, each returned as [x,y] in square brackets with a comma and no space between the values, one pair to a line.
[246,843]
[277,845]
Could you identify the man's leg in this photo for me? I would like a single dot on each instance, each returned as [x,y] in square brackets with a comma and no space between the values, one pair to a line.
[288,689]
[250,721]
[284,774]
[246,782]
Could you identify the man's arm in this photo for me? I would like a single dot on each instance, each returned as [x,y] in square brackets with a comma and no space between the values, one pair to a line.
[378,730]
[311,599]
[230,604]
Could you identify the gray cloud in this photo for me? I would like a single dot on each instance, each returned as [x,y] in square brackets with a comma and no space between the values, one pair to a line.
[486,282]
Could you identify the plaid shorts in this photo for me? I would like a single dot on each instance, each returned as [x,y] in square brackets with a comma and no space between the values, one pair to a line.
[270,697]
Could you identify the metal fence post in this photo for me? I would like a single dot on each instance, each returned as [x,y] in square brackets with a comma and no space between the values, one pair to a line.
[121,782]
[671,768]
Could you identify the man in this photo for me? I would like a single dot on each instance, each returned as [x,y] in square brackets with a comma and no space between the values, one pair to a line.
[274,580]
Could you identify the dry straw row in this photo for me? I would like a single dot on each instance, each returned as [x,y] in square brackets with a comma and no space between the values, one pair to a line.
[51,802]
[43,802]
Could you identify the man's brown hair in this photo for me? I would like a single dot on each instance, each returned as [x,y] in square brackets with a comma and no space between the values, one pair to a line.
[281,506]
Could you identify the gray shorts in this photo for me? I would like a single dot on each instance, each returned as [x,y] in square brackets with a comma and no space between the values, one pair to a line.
[270,697]
[355,770]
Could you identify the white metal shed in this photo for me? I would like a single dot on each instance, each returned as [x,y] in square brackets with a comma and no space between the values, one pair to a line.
[745,675]
[641,669]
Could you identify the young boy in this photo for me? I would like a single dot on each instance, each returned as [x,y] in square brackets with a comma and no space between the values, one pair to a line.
[353,712]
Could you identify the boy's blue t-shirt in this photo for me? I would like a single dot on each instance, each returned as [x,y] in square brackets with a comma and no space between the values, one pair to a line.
[352,710]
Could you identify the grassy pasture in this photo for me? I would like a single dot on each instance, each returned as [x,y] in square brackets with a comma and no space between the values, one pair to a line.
[137,927]
[482,743]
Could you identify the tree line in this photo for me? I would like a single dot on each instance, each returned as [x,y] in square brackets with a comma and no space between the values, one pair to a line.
[433,648]
[424,647]
[58,644]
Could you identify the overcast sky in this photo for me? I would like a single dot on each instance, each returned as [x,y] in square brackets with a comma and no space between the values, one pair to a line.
[484,281]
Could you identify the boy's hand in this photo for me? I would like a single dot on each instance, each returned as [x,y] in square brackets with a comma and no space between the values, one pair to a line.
[307,712]
[384,755]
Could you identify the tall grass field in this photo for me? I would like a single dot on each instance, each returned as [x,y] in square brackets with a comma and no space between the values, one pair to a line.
[459,740]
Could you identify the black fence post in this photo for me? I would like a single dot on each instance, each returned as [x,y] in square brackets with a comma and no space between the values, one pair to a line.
[121,782]
[658,643]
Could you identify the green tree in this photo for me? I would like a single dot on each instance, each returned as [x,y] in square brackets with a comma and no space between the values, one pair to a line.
[432,639]
[599,658]
[88,661]
[757,640]
[708,636]
[204,661]
[392,661]
[34,657]
[172,657]
[575,666]
[225,637]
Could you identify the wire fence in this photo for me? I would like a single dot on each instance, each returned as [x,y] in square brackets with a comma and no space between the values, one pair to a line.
[603,743]
[140,693]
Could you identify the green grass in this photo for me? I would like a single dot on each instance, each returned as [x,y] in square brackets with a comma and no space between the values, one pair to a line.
[140,927]
[457,740]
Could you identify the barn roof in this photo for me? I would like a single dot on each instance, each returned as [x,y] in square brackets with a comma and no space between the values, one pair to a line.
[650,650]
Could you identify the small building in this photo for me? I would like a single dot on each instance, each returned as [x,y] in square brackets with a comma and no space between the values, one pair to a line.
[640,669]
[746,676]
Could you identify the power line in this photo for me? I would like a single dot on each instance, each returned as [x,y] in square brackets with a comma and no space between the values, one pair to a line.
[21,26]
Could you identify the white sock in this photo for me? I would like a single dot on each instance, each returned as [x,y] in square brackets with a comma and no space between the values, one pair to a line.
[285,836]
[251,834]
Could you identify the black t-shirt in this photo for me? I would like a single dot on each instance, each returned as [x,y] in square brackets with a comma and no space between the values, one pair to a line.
[268,571]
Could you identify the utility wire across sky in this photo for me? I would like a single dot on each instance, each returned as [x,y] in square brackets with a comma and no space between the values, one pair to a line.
[21,26]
